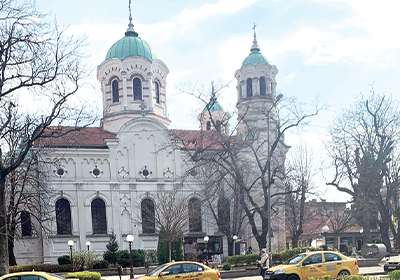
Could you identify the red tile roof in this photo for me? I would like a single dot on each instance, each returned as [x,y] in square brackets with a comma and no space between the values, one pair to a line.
[93,137]
[88,137]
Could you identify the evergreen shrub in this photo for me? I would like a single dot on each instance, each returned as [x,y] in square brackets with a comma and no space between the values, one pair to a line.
[51,268]
[100,264]
[249,259]
[124,260]
[64,260]
[163,250]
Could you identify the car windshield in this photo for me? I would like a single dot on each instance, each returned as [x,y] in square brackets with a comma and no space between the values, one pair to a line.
[295,259]
[155,271]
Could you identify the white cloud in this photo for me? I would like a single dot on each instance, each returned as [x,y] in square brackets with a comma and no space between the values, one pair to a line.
[363,38]
[223,7]
[289,78]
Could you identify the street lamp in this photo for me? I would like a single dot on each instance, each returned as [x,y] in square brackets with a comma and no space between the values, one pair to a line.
[70,244]
[234,243]
[88,245]
[269,183]
[206,239]
[325,230]
[130,239]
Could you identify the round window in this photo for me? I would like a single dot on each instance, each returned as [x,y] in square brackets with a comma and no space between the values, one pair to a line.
[60,172]
[145,172]
[193,173]
[96,172]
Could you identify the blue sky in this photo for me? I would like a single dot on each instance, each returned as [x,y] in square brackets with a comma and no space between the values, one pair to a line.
[333,49]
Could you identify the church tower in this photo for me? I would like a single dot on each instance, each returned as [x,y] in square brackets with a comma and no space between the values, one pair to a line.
[133,82]
[213,112]
[256,90]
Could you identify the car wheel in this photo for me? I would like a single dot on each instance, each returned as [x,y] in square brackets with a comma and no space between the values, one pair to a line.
[343,273]
[293,277]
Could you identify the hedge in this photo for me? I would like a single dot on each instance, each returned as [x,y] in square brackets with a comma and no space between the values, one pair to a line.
[51,268]
[84,275]
[249,259]
[124,260]
[100,264]
[394,275]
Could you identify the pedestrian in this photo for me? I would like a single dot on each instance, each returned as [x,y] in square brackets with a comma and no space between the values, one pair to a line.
[264,262]
[250,250]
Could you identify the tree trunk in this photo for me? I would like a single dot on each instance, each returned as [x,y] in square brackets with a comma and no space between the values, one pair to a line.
[230,246]
[170,250]
[11,255]
[3,229]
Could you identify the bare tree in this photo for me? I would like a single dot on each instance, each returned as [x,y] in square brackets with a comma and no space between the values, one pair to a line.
[170,216]
[340,219]
[38,61]
[362,141]
[252,156]
[299,185]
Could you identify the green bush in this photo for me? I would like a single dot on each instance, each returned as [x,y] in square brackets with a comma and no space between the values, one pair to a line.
[100,264]
[150,256]
[84,275]
[64,260]
[163,250]
[51,268]
[227,266]
[249,259]
[394,275]
[124,260]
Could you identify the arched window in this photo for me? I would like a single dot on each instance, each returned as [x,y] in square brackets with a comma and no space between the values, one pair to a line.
[249,88]
[63,217]
[194,215]
[148,218]
[157,92]
[115,91]
[263,88]
[137,89]
[99,223]
[208,125]
[224,215]
[26,224]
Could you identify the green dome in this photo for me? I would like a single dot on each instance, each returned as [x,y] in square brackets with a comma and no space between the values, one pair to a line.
[254,58]
[215,106]
[131,45]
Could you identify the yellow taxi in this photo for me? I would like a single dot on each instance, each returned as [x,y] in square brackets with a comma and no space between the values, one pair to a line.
[313,264]
[184,270]
[32,275]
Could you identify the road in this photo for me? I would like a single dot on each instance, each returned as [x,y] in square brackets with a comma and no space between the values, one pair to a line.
[371,270]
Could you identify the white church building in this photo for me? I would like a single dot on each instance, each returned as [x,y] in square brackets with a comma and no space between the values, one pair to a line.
[104,176]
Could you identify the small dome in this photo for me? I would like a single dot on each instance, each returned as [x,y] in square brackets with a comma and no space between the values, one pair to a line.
[213,106]
[254,58]
[131,45]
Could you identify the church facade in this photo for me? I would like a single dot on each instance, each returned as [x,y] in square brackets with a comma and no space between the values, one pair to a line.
[105,176]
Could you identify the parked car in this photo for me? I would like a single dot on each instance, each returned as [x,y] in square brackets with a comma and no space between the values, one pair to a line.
[392,264]
[182,270]
[32,275]
[314,264]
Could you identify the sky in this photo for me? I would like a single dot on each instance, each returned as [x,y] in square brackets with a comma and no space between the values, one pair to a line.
[331,49]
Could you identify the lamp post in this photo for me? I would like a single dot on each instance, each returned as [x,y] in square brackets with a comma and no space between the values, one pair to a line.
[234,244]
[269,183]
[88,245]
[130,239]
[206,239]
[70,244]
[325,230]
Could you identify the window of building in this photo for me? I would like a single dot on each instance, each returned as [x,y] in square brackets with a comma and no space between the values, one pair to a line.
[99,223]
[157,93]
[224,214]
[137,89]
[263,89]
[249,88]
[26,224]
[148,216]
[208,125]
[194,215]
[218,126]
[115,91]
[63,217]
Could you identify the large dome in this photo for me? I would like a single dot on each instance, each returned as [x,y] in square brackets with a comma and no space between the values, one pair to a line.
[131,45]
[254,58]
[213,106]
